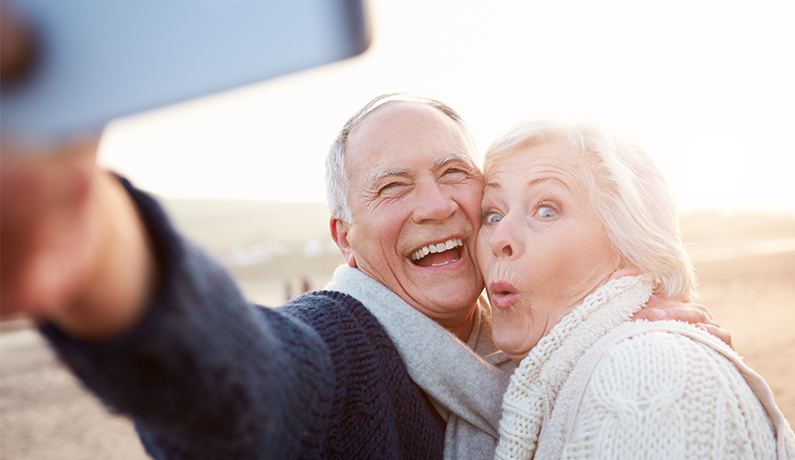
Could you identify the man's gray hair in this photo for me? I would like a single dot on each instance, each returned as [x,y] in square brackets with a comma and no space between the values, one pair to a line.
[628,191]
[336,176]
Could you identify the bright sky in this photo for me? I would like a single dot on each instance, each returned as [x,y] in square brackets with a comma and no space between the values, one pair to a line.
[707,86]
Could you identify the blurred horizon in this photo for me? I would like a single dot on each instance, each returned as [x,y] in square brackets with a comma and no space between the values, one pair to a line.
[261,240]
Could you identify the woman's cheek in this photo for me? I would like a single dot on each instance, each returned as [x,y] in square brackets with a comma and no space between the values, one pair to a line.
[482,258]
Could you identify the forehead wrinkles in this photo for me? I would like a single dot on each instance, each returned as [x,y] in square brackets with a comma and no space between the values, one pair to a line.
[561,174]
[387,133]
[547,159]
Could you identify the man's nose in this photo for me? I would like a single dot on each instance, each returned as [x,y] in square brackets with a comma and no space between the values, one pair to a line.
[433,204]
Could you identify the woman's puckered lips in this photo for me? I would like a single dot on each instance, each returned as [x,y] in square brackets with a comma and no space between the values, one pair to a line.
[503,294]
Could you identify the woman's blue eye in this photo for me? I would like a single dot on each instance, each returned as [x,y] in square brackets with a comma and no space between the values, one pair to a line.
[492,218]
[546,212]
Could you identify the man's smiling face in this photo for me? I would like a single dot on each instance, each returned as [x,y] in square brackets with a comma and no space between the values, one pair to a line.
[414,193]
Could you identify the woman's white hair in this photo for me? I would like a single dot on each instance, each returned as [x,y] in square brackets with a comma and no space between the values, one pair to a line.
[628,191]
[336,176]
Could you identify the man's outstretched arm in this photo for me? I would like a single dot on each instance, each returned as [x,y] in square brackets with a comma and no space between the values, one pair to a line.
[202,373]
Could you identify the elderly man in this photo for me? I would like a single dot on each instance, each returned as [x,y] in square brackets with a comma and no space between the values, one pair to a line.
[365,369]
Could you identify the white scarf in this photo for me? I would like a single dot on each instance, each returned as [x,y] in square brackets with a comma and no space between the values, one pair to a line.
[466,386]
[545,394]
[536,383]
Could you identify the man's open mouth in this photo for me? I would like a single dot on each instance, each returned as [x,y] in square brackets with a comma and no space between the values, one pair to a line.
[435,255]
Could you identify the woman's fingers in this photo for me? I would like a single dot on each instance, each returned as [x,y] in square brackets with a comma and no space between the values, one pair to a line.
[718,332]
[666,309]
[658,309]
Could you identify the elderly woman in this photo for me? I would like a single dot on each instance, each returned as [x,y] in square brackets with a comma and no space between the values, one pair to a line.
[567,212]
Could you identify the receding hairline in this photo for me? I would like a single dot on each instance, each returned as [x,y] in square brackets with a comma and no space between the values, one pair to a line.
[373,114]
[376,111]
[338,169]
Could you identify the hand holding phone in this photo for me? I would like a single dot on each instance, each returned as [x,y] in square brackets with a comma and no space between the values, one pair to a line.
[89,61]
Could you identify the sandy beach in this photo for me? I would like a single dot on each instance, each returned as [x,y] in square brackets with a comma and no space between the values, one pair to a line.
[45,415]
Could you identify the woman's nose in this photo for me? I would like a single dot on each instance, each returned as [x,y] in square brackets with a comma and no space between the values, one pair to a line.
[433,204]
[503,240]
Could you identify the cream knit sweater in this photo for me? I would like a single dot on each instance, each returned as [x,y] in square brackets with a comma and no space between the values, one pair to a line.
[653,395]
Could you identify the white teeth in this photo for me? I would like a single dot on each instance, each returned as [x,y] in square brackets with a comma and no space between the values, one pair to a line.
[434,248]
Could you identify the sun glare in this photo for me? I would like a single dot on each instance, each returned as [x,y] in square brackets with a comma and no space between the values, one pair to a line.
[708,93]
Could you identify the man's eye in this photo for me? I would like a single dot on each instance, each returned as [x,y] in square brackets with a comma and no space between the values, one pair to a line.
[455,172]
[389,186]
[491,218]
[546,212]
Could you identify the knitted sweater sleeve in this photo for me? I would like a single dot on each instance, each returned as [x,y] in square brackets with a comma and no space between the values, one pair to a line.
[206,375]
[662,394]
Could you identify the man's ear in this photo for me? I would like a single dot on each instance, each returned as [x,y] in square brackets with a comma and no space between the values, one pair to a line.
[339,233]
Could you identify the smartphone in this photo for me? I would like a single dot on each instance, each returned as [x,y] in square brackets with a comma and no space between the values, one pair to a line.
[95,60]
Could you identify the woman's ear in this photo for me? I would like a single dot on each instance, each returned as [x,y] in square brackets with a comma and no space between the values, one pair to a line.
[339,233]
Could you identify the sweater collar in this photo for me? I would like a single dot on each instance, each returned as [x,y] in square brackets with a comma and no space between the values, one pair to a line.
[466,381]
[543,372]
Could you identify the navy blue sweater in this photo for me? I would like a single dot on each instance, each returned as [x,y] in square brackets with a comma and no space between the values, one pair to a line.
[208,376]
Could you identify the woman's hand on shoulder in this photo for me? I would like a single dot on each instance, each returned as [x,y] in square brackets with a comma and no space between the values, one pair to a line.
[657,309]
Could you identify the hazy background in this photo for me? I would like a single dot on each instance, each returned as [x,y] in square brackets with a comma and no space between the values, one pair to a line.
[707,87]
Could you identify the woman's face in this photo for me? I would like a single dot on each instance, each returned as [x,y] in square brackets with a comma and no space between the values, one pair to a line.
[541,247]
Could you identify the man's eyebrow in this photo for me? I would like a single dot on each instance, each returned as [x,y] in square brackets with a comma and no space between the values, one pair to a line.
[378,175]
[454,157]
